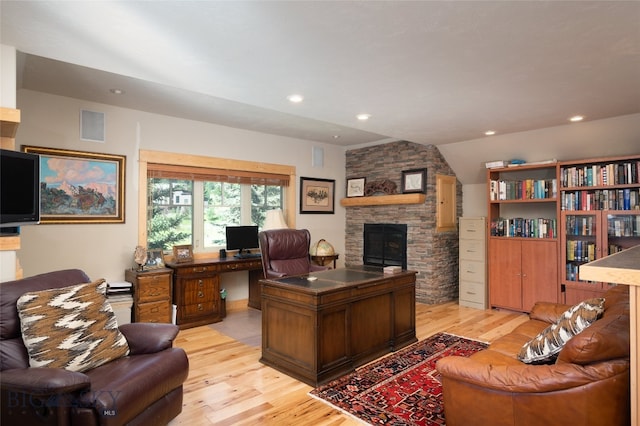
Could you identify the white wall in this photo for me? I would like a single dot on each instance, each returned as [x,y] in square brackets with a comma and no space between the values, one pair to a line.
[106,250]
[474,200]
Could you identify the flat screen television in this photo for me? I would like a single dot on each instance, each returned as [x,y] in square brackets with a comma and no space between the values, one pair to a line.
[242,238]
[19,189]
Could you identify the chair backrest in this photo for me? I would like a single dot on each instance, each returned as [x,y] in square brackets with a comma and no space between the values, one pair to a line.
[285,252]
[13,353]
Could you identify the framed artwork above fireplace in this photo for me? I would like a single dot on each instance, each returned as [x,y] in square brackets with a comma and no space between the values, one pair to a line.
[414,180]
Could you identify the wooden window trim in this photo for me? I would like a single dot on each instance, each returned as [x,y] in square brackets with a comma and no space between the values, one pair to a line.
[155,160]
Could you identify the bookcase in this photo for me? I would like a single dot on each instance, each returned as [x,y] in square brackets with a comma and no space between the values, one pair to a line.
[600,215]
[522,231]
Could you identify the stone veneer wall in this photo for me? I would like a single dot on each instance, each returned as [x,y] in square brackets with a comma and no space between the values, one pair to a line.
[433,254]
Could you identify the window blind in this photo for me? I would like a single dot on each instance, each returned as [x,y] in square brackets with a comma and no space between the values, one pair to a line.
[170,171]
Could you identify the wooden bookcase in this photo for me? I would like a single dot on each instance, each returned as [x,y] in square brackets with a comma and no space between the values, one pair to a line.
[522,236]
[600,215]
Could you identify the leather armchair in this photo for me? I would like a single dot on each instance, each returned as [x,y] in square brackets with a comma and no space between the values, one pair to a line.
[286,252]
[144,387]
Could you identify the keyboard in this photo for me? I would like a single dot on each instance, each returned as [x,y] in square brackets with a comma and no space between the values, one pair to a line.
[248,256]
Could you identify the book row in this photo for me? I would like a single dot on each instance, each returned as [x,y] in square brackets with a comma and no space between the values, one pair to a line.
[526,189]
[582,251]
[622,173]
[601,199]
[617,226]
[580,225]
[624,226]
[574,265]
[526,228]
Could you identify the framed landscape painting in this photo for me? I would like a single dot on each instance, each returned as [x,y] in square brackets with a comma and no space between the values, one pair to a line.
[317,195]
[80,187]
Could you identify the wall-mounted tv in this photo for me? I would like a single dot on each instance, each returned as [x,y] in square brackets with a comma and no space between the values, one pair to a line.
[242,238]
[19,189]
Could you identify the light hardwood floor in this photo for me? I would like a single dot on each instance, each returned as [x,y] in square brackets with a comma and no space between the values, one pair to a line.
[227,385]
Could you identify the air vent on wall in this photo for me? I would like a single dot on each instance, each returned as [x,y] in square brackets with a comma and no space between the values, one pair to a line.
[92,126]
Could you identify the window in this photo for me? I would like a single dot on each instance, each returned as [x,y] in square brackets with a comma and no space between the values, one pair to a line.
[193,205]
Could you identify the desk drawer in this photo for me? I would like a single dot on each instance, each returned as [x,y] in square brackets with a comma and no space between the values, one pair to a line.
[151,288]
[199,290]
[198,310]
[187,271]
[153,312]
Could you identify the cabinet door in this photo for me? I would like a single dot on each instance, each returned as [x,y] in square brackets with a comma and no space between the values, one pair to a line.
[505,281]
[446,213]
[539,272]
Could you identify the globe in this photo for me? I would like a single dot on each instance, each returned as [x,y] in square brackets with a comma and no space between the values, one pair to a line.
[322,248]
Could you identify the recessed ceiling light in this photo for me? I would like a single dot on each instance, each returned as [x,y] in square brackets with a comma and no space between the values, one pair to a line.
[363,117]
[295,98]
[576,118]
[117,91]
[336,136]
[490,132]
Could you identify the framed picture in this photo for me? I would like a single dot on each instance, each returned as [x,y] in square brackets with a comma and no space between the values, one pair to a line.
[355,187]
[317,195]
[80,187]
[183,253]
[155,259]
[414,180]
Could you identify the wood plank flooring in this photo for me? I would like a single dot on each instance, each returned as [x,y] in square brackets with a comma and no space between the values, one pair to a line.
[227,385]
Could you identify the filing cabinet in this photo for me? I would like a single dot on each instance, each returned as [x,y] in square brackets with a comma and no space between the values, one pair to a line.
[151,294]
[472,263]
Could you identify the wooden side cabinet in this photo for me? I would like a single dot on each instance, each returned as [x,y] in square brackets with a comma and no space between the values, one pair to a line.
[523,271]
[151,295]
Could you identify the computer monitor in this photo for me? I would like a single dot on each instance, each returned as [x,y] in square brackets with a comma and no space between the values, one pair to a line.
[242,238]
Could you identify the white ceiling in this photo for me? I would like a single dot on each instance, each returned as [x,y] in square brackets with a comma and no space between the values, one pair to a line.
[430,72]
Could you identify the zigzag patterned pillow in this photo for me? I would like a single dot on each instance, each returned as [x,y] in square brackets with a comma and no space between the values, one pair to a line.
[73,327]
[550,341]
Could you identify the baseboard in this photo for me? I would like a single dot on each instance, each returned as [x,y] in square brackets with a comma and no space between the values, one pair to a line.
[237,305]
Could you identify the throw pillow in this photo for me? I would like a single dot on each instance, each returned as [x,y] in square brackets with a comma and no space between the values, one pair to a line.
[545,346]
[73,327]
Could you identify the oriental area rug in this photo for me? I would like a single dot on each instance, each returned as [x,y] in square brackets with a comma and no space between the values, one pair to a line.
[400,389]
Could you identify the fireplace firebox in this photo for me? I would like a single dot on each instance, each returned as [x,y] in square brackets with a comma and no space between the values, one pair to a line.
[385,244]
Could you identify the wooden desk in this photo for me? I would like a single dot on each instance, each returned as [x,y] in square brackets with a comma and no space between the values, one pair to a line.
[623,268]
[196,288]
[318,330]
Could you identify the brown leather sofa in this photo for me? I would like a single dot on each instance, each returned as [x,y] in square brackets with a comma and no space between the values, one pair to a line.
[142,388]
[588,384]
[286,252]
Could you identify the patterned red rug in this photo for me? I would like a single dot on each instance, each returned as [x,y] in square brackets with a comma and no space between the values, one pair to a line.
[400,389]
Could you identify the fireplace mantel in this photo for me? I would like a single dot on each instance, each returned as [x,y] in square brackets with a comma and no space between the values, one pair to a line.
[384,200]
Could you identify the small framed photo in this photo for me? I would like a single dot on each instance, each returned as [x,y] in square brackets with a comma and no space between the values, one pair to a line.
[414,181]
[155,259]
[183,253]
[355,187]
[317,195]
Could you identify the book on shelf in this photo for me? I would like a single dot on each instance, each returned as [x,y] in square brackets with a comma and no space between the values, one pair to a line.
[495,164]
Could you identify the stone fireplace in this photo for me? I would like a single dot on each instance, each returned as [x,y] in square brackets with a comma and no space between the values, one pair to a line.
[434,255]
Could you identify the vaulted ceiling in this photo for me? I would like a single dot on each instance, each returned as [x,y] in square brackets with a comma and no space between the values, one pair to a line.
[430,72]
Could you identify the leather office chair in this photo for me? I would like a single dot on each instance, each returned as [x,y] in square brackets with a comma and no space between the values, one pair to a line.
[286,252]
